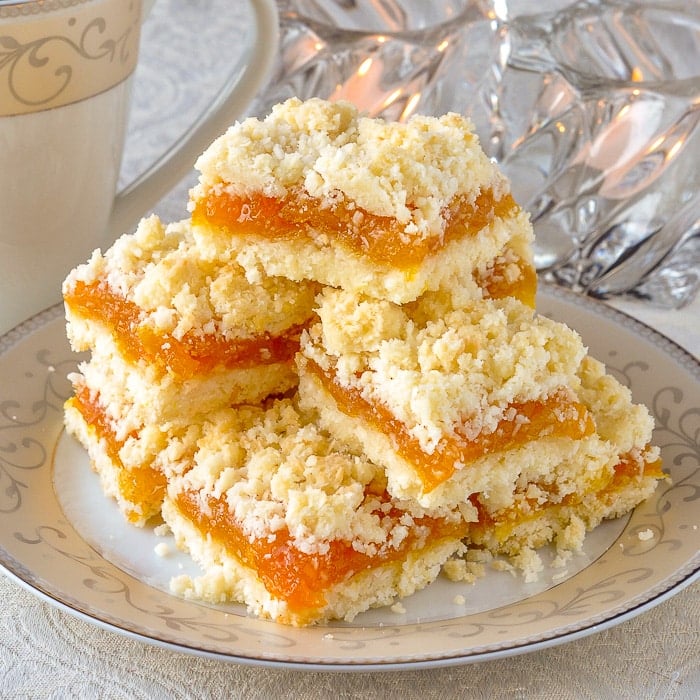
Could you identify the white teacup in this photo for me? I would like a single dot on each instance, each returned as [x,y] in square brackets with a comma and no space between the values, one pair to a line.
[65,78]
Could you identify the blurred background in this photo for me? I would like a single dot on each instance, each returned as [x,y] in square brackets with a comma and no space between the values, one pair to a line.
[591,108]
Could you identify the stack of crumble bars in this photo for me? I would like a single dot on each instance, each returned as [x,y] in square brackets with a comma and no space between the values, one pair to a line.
[331,381]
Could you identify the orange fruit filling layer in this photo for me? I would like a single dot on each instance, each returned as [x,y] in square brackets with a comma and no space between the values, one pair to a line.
[382,239]
[631,468]
[496,285]
[554,416]
[188,357]
[143,485]
[300,578]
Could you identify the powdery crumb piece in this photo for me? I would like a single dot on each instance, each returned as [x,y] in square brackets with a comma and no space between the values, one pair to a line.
[530,563]
[562,559]
[502,565]
[162,530]
[459,600]
[455,569]
[560,575]
[328,635]
[479,555]
[182,585]
[398,608]
[162,549]
[572,537]
[645,535]
[463,571]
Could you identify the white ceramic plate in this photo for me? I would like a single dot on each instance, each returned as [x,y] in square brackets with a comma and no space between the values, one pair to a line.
[63,540]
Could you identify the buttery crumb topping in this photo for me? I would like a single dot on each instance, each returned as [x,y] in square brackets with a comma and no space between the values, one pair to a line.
[178,291]
[276,469]
[409,171]
[457,372]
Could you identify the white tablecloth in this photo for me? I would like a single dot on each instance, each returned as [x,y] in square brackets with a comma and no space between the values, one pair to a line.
[48,653]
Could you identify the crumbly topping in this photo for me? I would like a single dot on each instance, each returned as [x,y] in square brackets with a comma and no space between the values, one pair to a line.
[409,171]
[276,469]
[570,538]
[458,372]
[160,269]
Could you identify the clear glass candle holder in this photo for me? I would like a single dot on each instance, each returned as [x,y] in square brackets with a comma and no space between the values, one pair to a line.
[592,110]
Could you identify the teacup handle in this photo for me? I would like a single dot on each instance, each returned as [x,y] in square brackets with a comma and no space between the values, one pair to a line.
[143,193]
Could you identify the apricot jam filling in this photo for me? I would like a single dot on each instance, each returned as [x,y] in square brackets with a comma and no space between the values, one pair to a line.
[496,285]
[142,485]
[554,416]
[296,577]
[382,239]
[188,357]
[631,467]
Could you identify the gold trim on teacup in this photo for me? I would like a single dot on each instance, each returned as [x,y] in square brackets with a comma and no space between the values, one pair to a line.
[56,52]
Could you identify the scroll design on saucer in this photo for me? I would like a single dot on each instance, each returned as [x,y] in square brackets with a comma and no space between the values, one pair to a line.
[627,372]
[681,431]
[21,450]
[96,577]
[584,600]
[678,431]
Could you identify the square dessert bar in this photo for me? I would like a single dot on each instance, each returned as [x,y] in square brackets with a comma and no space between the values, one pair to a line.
[541,511]
[490,405]
[317,192]
[171,333]
[300,529]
